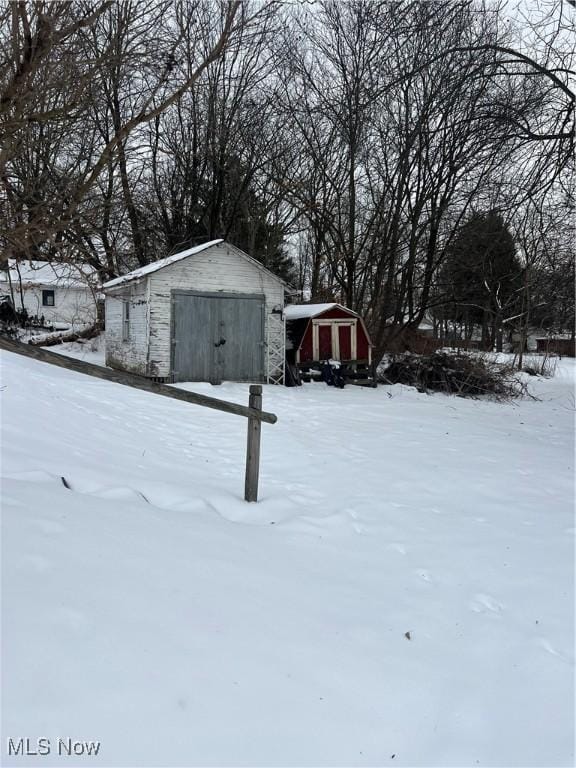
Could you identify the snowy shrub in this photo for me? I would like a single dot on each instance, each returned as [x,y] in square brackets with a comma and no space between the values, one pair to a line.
[540,365]
[459,374]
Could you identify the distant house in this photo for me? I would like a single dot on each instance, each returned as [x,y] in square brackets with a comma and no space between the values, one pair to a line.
[209,313]
[563,345]
[64,295]
[545,342]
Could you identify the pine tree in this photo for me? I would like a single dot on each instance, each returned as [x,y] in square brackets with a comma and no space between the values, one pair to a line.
[481,277]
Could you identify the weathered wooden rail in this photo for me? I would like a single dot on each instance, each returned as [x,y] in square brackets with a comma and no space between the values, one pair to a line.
[253,412]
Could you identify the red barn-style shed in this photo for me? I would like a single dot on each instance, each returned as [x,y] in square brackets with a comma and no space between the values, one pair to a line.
[319,332]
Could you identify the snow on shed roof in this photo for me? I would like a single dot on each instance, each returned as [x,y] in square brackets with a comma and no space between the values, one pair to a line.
[60,274]
[136,274]
[299,311]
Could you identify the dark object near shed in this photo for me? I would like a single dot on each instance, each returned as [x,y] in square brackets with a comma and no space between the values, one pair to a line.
[7,311]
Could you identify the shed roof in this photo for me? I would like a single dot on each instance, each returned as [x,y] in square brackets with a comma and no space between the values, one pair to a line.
[299,311]
[136,274]
[59,274]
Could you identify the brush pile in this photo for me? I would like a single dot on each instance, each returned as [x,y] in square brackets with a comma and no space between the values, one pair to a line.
[466,375]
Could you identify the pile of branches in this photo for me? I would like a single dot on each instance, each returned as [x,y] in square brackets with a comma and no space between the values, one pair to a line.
[466,375]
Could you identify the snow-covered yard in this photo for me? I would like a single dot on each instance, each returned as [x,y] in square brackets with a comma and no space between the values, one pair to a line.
[403,593]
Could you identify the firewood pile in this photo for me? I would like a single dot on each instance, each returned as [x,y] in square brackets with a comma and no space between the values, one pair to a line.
[466,375]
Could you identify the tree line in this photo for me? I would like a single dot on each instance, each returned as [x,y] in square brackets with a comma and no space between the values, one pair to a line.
[410,160]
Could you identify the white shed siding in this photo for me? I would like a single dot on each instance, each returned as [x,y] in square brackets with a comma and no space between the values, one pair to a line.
[72,306]
[130,354]
[220,268]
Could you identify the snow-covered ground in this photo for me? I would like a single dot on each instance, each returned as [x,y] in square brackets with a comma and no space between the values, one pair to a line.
[90,350]
[403,593]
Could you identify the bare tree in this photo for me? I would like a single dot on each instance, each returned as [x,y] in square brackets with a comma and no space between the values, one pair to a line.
[544,233]
[209,152]
[44,78]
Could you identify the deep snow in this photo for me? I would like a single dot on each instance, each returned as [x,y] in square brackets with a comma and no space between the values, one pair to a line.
[150,608]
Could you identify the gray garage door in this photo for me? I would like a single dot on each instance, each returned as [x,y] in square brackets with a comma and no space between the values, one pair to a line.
[217,337]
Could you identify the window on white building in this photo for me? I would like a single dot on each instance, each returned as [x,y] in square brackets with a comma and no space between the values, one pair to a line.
[47,298]
[125,320]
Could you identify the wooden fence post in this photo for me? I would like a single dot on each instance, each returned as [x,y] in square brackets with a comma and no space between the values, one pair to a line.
[253,446]
[254,412]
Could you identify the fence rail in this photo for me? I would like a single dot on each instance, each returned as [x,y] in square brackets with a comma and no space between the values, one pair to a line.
[253,412]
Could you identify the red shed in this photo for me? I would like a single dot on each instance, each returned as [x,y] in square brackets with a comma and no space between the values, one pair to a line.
[319,332]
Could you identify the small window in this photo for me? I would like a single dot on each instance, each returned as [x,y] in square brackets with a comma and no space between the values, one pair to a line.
[47,298]
[125,321]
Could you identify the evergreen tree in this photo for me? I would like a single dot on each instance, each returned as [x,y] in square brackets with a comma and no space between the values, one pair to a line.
[481,277]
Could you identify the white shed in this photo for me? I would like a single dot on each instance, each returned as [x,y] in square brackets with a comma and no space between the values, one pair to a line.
[210,313]
[64,294]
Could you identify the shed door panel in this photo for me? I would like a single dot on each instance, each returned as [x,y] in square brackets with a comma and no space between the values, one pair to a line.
[325,342]
[241,326]
[195,318]
[345,339]
[218,338]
